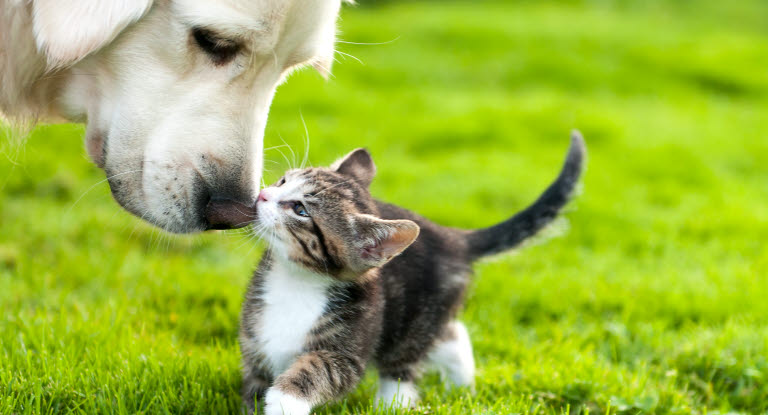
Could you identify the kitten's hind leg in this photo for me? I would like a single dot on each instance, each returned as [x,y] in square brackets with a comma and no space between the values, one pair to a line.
[397,385]
[396,393]
[452,355]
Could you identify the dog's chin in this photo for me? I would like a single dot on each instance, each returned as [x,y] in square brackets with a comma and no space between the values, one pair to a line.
[188,226]
[179,218]
[190,222]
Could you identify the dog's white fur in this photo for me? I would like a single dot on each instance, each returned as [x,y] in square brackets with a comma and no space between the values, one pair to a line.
[169,127]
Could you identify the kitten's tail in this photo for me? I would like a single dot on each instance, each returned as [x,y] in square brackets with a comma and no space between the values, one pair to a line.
[518,228]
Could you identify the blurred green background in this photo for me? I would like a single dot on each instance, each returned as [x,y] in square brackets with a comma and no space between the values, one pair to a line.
[653,301]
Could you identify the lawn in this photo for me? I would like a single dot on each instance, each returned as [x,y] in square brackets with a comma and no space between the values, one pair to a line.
[653,299]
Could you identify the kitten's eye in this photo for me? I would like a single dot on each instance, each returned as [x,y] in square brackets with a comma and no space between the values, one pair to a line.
[299,209]
[220,50]
[280,182]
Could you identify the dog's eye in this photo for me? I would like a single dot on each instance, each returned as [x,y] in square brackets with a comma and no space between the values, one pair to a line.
[299,209]
[280,182]
[219,49]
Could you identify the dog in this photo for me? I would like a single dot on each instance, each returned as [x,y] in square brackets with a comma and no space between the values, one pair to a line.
[175,93]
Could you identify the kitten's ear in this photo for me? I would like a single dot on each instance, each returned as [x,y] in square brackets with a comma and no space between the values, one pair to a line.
[381,240]
[69,30]
[357,164]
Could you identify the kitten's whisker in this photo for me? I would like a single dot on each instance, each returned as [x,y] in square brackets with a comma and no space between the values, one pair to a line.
[241,224]
[260,231]
[241,231]
[236,232]
[247,215]
[248,241]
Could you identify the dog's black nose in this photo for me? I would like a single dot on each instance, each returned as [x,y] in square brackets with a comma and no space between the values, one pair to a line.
[229,214]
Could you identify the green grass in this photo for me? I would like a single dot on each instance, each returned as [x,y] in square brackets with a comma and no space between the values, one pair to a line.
[654,300]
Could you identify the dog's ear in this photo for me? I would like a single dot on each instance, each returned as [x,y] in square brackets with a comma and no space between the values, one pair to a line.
[69,30]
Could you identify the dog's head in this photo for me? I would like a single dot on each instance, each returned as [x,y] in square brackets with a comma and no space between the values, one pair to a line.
[176,92]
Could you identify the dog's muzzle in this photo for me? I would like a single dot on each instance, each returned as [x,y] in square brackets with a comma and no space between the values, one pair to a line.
[229,214]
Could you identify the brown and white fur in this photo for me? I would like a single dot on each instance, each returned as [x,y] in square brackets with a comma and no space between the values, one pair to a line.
[175,93]
[348,280]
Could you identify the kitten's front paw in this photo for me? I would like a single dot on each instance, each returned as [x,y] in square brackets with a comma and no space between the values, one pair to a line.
[280,403]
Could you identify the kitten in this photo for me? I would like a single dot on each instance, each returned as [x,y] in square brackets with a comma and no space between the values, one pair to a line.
[347,280]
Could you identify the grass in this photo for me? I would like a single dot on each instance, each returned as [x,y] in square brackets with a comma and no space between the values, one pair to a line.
[654,301]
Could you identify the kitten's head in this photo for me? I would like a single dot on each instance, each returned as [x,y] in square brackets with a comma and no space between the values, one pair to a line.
[325,219]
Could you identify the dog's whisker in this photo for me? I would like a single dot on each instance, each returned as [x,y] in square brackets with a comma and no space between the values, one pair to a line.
[306,142]
[290,166]
[325,69]
[95,185]
[368,44]
[274,147]
[351,56]
[293,154]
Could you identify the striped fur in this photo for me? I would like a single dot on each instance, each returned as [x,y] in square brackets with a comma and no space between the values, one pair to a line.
[349,280]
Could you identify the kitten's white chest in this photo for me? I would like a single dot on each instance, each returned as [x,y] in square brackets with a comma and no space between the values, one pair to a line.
[293,300]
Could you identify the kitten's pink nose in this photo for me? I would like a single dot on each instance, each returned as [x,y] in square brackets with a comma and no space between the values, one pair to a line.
[263,195]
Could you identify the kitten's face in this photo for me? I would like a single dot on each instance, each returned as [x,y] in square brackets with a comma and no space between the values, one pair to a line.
[324,219]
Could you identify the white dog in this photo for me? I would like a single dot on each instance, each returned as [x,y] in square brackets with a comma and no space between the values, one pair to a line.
[175,93]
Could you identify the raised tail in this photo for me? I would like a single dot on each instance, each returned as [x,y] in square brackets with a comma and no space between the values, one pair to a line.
[523,225]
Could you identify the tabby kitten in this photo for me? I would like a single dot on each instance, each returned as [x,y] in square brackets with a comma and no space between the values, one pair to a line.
[349,280]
